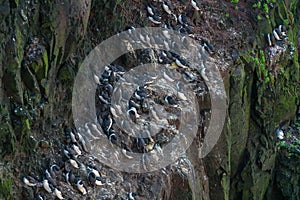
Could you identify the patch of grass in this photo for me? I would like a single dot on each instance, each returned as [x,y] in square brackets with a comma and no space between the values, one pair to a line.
[234,1]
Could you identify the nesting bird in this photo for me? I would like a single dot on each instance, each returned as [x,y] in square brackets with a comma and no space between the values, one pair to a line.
[152,10]
[58,194]
[50,178]
[181,63]
[77,149]
[167,7]
[279,134]
[27,182]
[132,113]
[207,46]
[74,163]
[182,18]
[82,142]
[70,177]
[46,186]
[124,152]
[277,34]
[271,39]
[95,179]
[154,19]
[80,187]
[107,123]
[203,74]
[141,92]
[282,29]
[131,196]
[54,169]
[170,100]
[195,5]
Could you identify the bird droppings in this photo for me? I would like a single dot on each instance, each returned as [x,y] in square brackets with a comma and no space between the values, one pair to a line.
[77,177]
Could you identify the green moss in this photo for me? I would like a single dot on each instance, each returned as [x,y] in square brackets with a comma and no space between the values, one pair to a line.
[258,59]
[6,188]
[7,136]
[257,5]
[266,8]
[234,1]
[225,185]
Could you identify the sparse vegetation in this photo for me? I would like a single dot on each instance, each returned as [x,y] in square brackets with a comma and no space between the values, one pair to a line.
[291,142]
[259,60]
[5,188]
[234,1]
[264,6]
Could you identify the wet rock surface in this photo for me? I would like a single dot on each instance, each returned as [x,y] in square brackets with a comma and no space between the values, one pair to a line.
[240,166]
[287,165]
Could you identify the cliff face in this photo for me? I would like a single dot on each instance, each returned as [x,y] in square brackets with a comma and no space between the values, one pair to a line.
[43,45]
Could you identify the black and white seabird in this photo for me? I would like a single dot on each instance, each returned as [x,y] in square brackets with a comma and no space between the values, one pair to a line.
[272,39]
[73,137]
[131,196]
[195,5]
[207,46]
[282,29]
[129,29]
[186,30]
[99,181]
[70,177]
[269,39]
[182,18]
[132,113]
[132,103]
[39,197]
[167,77]
[112,137]
[181,63]
[58,194]
[107,124]
[124,152]
[170,100]
[74,163]
[95,179]
[77,149]
[203,74]
[46,186]
[95,171]
[279,33]
[167,6]
[82,142]
[27,182]
[279,134]
[53,170]
[50,178]
[80,187]
[96,79]
[141,92]
[154,19]
[276,35]
[67,153]
[152,10]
